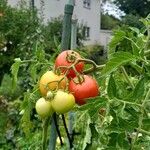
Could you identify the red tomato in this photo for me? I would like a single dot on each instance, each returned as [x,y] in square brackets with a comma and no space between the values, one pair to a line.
[63,59]
[89,88]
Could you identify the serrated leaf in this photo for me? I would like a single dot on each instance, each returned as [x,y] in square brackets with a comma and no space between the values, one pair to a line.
[139,90]
[146,124]
[93,103]
[33,72]
[117,59]
[25,122]
[136,30]
[40,54]
[91,134]
[127,125]
[88,135]
[118,140]
[14,72]
[111,89]
[118,36]
[135,49]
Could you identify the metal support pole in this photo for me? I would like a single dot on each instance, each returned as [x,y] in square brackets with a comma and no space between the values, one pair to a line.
[74,34]
[65,44]
[32,4]
[53,136]
[73,46]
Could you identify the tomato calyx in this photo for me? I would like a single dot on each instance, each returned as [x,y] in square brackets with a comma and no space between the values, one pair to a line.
[71,58]
[49,95]
[79,79]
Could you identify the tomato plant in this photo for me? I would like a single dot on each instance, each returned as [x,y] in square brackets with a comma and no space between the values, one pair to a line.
[86,89]
[66,59]
[117,117]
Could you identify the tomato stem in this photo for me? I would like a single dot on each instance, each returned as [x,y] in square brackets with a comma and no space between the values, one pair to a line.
[127,77]
[67,132]
[57,129]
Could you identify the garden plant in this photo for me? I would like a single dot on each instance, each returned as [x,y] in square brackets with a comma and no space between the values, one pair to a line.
[110,102]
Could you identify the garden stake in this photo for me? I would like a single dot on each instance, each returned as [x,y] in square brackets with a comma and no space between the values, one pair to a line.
[53,135]
[73,46]
[66,34]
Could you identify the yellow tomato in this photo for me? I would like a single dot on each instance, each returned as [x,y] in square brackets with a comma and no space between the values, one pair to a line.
[47,82]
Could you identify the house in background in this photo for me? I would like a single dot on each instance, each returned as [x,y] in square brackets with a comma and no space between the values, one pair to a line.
[87,12]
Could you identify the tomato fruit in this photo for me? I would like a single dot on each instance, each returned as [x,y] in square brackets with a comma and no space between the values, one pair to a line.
[47,82]
[43,108]
[64,59]
[63,102]
[81,91]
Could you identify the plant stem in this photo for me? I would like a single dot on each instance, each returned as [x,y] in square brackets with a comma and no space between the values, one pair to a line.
[94,66]
[140,123]
[144,132]
[26,61]
[127,102]
[147,53]
[57,128]
[67,132]
[127,77]
[44,136]
[136,67]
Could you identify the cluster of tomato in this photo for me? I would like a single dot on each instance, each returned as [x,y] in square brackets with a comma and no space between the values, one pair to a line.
[66,86]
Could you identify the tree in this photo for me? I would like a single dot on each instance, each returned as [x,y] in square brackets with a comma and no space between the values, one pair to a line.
[135,7]
[109,22]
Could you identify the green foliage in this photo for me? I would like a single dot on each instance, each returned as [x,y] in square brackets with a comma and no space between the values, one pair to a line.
[22,30]
[52,33]
[109,22]
[6,88]
[116,60]
[121,113]
[140,7]
[132,20]
[116,119]
[94,52]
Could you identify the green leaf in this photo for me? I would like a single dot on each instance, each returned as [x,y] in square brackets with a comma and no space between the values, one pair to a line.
[146,124]
[40,54]
[118,36]
[26,107]
[33,71]
[118,140]
[93,103]
[111,89]
[14,72]
[87,139]
[91,134]
[136,30]
[139,90]
[117,59]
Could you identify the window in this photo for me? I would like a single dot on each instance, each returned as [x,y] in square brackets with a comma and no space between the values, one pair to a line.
[86,32]
[87,3]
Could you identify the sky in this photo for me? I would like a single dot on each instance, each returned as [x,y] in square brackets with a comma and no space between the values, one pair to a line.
[112,9]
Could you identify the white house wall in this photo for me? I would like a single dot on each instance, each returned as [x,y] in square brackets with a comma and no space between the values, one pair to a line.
[89,17]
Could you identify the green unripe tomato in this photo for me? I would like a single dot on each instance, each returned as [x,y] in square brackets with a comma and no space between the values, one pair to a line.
[63,102]
[43,108]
